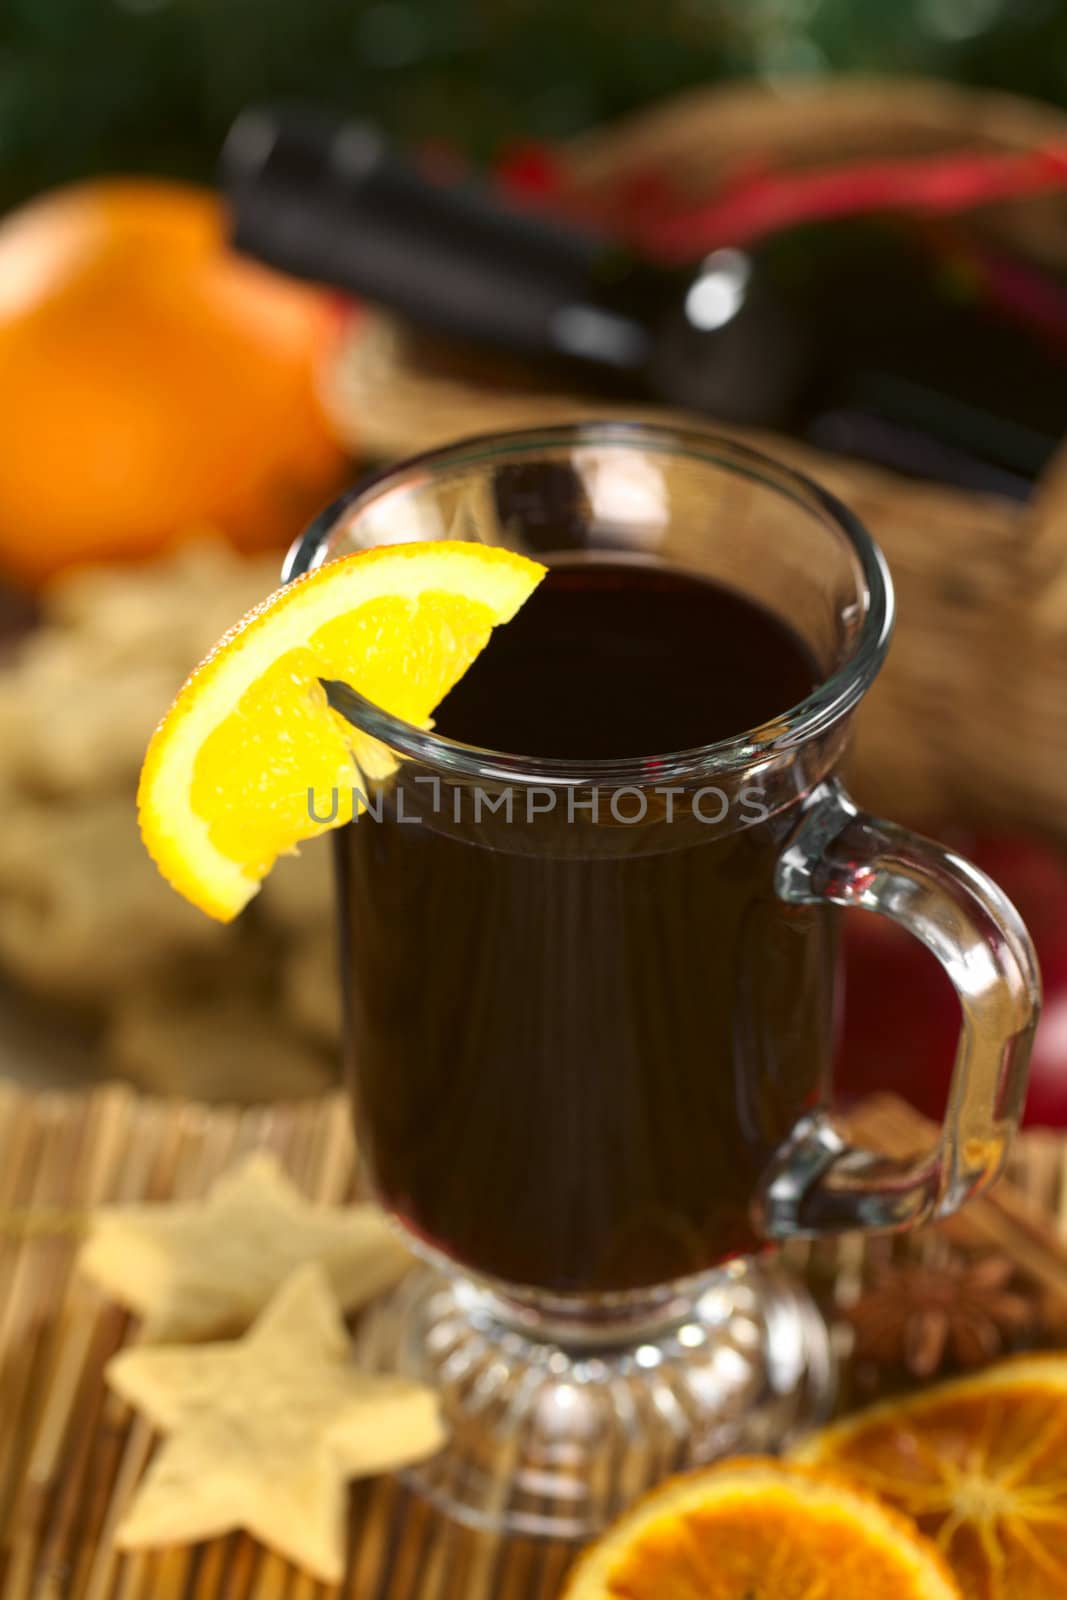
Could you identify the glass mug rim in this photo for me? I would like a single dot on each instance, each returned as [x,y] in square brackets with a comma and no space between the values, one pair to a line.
[831,700]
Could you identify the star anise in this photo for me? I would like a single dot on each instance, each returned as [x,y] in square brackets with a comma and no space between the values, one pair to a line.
[914,1316]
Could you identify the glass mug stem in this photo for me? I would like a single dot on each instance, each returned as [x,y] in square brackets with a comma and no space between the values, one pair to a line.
[844,856]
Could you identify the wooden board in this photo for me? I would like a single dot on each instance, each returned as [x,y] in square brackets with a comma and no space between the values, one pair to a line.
[70,1453]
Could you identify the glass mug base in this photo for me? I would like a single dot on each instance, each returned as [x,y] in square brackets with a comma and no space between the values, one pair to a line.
[553,1439]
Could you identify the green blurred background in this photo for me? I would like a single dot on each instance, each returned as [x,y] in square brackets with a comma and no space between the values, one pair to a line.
[89,86]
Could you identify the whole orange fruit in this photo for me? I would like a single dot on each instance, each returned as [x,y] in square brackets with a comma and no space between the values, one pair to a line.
[152,383]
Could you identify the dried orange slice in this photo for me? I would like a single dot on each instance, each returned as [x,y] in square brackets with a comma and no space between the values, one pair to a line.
[759,1529]
[981,1466]
[250,754]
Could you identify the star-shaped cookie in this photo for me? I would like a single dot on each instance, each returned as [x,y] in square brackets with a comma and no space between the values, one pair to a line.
[263,1432]
[200,1270]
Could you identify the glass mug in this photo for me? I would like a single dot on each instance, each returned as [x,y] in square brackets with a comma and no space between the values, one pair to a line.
[589,1002]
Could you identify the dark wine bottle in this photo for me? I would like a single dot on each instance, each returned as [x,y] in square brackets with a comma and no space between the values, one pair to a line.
[854,334]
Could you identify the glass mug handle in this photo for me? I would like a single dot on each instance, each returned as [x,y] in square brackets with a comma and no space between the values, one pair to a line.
[841,855]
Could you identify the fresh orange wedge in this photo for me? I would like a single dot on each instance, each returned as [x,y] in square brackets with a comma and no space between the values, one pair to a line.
[250,754]
[981,1466]
[758,1529]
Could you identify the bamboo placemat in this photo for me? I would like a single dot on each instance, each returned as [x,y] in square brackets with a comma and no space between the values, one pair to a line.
[70,1453]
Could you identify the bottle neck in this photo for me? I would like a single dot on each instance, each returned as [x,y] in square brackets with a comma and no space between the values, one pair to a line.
[326,199]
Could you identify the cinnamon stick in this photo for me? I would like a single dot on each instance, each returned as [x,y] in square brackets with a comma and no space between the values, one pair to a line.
[1004,1218]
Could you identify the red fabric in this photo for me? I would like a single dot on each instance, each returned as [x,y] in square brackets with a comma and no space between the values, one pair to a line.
[648,213]
[932,185]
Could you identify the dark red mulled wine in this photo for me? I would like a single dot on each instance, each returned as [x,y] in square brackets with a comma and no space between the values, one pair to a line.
[572,1067]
